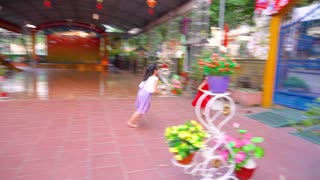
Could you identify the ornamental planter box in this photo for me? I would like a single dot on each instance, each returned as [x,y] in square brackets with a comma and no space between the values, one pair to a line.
[246,97]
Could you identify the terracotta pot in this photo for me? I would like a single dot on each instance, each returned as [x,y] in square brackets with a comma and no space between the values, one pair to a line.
[187,160]
[245,173]
[174,92]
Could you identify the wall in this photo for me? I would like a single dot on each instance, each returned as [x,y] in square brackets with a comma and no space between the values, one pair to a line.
[253,68]
[72,49]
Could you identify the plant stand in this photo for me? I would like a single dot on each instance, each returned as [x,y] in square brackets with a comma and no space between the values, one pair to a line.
[220,107]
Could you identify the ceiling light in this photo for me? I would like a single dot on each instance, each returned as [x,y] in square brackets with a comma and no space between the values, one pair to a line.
[134,31]
[31,26]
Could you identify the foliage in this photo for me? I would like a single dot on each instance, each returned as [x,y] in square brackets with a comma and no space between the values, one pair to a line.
[313,116]
[237,12]
[176,84]
[2,71]
[245,147]
[185,139]
[217,66]
[294,82]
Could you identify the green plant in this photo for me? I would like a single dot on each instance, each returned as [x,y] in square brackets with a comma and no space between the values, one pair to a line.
[2,71]
[313,116]
[215,65]
[185,139]
[245,147]
[296,82]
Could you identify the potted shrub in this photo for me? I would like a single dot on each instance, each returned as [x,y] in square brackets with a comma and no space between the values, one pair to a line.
[184,140]
[176,85]
[218,69]
[245,148]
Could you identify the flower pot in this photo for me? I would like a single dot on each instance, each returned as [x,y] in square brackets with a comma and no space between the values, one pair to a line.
[246,98]
[218,84]
[174,91]
[244,173]
[187,160]
[247,171]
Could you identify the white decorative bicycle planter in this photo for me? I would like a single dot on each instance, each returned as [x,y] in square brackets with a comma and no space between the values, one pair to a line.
[207,163]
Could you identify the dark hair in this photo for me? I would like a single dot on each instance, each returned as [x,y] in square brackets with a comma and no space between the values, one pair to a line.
[149,71]
[204,76]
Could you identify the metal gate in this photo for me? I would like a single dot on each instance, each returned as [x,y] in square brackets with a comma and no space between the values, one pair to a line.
[298,66]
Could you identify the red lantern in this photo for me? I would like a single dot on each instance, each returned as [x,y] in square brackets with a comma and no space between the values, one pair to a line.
[99,4]
[151,11]
[151,3]
[47,3]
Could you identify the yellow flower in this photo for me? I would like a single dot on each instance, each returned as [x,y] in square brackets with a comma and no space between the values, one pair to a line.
[183,134]
[173,150]
[178,157]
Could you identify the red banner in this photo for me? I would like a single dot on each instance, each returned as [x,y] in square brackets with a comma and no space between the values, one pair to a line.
[271,6]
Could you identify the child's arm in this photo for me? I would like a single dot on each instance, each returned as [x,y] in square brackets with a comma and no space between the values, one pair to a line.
[201,86]
[155,88]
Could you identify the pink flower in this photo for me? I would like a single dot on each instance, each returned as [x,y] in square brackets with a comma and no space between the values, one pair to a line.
[229,138]
[246,142]
[240,156]
[247,136]
[238,143]
[224,154]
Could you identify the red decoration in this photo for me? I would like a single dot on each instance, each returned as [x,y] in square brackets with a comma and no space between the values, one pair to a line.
[226,30]
[47,3]
[99,5]
[151,11]
[151,4]
[164,66]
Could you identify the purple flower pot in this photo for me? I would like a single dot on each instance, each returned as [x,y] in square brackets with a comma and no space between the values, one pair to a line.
[218,84]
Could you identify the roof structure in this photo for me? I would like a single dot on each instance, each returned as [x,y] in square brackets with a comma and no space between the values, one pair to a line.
[121,14]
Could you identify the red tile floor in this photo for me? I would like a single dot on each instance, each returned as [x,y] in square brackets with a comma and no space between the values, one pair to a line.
[71,125]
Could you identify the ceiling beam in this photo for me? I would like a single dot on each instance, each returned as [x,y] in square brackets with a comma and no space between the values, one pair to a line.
[9,26]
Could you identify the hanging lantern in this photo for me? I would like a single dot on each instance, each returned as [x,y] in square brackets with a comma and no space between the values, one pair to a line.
[151,4]
[99,4]
[151,11]
[47,3]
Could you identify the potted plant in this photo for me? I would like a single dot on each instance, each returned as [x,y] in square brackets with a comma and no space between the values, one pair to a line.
[245,148]
[3,94]
[184,140]
[176,85]
[218,69]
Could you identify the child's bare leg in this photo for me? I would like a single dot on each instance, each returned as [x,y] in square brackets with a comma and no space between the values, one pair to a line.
[133,119]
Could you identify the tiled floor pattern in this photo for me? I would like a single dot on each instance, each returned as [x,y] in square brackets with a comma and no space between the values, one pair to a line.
[86,137]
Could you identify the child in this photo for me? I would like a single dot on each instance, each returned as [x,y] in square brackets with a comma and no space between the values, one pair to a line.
[147,87]
[203,86]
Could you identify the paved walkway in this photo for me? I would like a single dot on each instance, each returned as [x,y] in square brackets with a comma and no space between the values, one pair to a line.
[85,136]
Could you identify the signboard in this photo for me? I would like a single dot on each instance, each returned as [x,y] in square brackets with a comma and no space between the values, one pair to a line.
[270,7]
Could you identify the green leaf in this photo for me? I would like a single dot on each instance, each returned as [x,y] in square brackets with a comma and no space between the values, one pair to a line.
[232,144]
[242,131]
[257,140]
[249,147]
[259,152]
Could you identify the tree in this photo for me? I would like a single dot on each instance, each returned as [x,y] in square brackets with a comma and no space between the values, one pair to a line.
[237,12]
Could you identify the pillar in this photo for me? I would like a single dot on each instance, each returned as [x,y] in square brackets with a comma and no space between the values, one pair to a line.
[105,59]
[271,63]
[33,39]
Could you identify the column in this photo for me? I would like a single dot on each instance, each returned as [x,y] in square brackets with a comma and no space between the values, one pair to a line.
[33,38]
